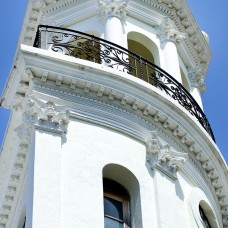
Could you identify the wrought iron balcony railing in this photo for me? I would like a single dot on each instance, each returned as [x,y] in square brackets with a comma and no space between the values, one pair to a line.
[91,48]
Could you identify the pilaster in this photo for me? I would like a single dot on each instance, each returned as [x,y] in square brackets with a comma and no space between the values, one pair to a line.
[195,76]
[48,122]
[170,37]
[165,163]
[114,13]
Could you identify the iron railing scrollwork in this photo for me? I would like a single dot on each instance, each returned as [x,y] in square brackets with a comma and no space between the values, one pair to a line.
[91,48]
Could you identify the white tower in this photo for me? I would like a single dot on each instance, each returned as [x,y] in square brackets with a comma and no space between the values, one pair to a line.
[107,128]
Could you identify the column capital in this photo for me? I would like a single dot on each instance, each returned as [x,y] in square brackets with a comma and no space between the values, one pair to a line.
[46,115]
[195,76]
[116,8]
[167,31]
[163,157]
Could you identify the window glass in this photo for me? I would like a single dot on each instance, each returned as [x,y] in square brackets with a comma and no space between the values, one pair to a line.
[110,223]
[116,205]
[113,208]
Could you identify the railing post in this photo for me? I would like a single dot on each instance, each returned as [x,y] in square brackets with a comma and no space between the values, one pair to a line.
[141,67]
[44,34]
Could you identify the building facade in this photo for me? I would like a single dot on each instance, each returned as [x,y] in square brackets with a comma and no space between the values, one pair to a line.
[107,128]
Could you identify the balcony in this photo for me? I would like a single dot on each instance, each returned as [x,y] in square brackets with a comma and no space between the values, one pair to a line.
[91,48]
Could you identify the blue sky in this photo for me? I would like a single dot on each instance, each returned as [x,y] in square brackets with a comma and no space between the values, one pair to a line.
[212,18]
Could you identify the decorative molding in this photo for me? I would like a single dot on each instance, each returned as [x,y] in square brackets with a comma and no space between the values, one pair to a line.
[196,78]
[163,157]
[113,8]
[46,116]
[16,179]
[167,31]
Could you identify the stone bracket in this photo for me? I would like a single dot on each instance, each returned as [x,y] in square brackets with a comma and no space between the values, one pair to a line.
[46,116]
[163,157]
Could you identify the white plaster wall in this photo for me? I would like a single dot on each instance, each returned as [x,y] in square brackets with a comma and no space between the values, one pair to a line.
[88,149]
[68,188]
[91,24]
[46,181]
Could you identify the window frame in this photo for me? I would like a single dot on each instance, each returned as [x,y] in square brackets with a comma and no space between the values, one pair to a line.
[125,200]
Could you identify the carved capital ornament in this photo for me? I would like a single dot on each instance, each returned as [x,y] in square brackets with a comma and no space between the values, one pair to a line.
[167,31]
[115,8]
[196,79]
[163,157]
[46,116]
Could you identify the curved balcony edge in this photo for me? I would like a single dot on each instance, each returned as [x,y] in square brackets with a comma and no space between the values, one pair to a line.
[91,48]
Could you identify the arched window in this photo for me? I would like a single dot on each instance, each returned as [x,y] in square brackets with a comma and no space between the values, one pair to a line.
[116,205]
[201,213]
[204,218]
[146,55]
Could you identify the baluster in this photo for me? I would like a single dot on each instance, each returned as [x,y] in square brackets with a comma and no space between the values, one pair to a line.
[135,63]
[147,73]
[141,67]
[94,49]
